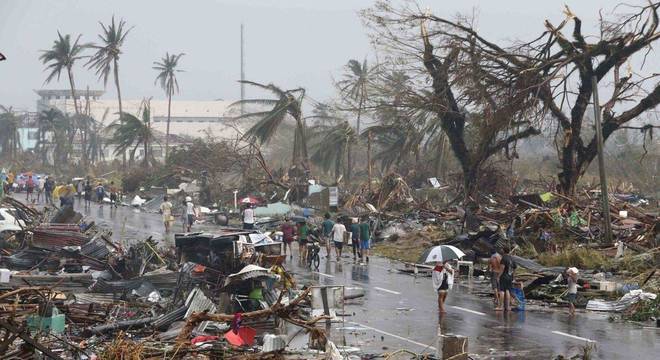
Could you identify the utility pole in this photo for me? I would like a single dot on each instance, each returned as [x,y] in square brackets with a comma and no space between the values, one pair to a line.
[607,226]
[242,69]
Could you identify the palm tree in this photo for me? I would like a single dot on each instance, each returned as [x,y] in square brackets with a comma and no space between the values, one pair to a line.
[335,142]
[287,102]
[46,119]
[9,137]
[63,55]
[131,132]
[355,85]
[106,57]
[167,69]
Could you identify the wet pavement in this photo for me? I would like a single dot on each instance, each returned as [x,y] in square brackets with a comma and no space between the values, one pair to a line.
[399,311]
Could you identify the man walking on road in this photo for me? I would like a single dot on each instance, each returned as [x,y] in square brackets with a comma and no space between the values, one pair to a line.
[166,211]
[288,234]
[365,245]
[355,237]
[326,228]
[507,267]
[338,233]
[248,217]
[191,213]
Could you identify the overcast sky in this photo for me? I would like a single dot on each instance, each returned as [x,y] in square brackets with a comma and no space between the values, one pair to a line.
[288,42]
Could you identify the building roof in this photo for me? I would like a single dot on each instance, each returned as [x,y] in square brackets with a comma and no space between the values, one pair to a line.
[67,92]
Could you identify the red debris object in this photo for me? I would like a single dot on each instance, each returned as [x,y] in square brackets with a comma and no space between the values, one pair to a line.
[245,336]
[249,200]
[202,339]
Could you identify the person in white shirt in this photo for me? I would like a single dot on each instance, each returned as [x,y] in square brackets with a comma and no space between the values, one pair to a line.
[248,218]
[191,212]
[338,233]
[443,278]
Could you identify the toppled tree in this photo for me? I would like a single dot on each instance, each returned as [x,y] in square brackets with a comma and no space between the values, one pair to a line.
[481,105]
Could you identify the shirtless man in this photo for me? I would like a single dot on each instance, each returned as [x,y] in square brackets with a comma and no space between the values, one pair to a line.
[495,271]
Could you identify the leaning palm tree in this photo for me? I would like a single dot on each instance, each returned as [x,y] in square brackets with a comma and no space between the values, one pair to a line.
[106,57]
[167,69]
[61,56]
[334,145]
[9,137]
[286,103]
[131,132]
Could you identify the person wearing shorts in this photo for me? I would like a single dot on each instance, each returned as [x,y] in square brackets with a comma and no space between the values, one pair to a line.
[494,267]
[355,237]
[506,281]
[365,245]
[338,232]
[29,185]
[303,232]
[288,234]
[571,297]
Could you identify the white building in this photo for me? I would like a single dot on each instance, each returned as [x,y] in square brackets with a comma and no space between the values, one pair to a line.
[188,118]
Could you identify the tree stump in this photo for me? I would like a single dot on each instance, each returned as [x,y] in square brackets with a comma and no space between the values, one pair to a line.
[454,347]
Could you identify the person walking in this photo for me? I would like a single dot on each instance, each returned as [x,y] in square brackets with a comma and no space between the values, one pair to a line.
[248,217]
[441,277]
[191,213]
[40,183]
[365,244]
[100,193]
[571,278]
[355,238]
[29,188]
[288,235]
[48,190]
[88,194]
[114,195]
[326,228]
[507,267]
[494,267]
[338,232]
[166,211]
[2,185]
[303,233]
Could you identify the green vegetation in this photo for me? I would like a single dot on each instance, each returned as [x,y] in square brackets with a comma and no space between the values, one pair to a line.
[582,258]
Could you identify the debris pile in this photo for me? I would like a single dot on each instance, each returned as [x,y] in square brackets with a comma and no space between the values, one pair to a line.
[68,291]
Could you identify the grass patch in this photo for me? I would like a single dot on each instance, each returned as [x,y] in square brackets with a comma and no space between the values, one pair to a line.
[644,310]
[398,251]
[582,258]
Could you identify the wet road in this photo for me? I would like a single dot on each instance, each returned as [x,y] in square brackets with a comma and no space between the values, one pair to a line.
[399,311]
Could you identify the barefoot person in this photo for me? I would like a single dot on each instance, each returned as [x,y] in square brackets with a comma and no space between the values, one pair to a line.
[288,235]
[166,210]
[507,267]
[441,279]
[494,267]
[571,278]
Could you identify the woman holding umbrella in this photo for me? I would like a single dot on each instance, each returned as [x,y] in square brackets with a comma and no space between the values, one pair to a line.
[443,274]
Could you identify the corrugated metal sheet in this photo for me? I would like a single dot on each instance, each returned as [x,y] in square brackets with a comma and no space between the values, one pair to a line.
[198,302]
[625,302]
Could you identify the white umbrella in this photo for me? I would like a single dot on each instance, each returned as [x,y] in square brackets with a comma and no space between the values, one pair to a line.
[441,253]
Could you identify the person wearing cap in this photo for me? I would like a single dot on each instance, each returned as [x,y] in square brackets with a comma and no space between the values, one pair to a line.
[191,213]
[571,279]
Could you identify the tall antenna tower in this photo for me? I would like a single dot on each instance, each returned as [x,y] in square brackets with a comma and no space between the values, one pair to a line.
[242,70]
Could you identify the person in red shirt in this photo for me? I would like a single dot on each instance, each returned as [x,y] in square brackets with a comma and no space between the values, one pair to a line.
[29,185]
[288,235]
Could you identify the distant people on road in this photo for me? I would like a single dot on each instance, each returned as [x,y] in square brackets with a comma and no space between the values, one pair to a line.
[355,239]
[88,194]
[442,277]
[338,232]
[326,229]
[80,187]
[49,186]
[288,235]
[166,211]
[365,239]
[29,188]
[494,267]
[507,267]
[303,233]
[10,182]
[191,213]
[571,275]
[100,193]
[248,217]
[114,195]
[41,183]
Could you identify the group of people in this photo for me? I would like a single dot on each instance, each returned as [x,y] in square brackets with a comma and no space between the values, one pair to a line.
[344,231]
[189,214]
